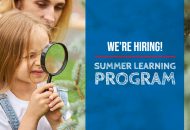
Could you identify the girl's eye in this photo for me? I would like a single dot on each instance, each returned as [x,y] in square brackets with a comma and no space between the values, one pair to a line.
[31,56]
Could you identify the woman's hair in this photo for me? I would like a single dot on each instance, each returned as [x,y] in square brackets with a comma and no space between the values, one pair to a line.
[60,29]
[9,5]
[15,33]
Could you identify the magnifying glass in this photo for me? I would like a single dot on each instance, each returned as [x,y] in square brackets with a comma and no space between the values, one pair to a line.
[54,59]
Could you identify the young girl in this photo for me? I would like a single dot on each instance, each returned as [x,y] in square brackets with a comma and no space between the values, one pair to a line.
[23,104]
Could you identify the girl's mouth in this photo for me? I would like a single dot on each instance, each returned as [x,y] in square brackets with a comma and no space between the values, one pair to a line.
[37,72]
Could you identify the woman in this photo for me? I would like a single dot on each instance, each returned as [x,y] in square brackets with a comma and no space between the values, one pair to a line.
[55,13]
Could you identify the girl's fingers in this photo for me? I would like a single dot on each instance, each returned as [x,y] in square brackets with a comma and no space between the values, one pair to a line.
[55,101]
[57,106]
[46,94]
[44,88]
[47,101]
[53,96]
[51,90]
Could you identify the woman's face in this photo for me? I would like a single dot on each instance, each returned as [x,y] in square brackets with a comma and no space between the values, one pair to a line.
[49,10]
[5,5]
[29,70]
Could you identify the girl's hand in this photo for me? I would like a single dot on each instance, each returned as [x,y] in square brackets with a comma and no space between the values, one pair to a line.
[39,101]
[37,107]
[54,115]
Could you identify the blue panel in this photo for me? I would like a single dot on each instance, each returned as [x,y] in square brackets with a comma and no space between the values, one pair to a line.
[129,106]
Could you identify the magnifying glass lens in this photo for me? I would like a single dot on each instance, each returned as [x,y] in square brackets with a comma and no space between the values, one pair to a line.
[54,58]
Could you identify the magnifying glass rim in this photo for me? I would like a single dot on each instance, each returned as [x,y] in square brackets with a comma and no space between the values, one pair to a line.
[43,56]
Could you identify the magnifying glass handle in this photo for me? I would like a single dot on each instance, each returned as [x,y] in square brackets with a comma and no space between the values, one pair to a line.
[49,79]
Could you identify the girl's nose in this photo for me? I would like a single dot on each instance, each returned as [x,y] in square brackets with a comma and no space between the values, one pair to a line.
[38,60]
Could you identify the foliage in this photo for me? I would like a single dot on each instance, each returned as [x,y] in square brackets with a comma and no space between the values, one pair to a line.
[75,84]
[78,107]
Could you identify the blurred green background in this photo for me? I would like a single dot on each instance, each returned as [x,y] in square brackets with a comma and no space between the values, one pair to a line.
[75,43]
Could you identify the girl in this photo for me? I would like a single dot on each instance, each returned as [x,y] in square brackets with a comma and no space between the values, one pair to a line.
[22,38]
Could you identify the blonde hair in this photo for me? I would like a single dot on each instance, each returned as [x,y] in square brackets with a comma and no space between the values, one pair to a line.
[15,33]
[9,5]
[61,28]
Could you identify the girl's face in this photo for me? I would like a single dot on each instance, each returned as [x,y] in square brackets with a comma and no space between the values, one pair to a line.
[49,10]
[29,70]
[5,5]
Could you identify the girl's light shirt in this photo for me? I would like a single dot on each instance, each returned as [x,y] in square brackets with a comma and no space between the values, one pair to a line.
[20,107]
